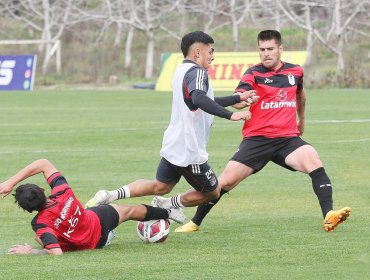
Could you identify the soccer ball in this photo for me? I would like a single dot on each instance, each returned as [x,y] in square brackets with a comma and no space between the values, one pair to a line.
[153,231]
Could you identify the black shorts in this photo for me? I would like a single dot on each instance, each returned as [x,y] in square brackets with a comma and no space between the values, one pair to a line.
[200,176]
[109,220]
[257,151]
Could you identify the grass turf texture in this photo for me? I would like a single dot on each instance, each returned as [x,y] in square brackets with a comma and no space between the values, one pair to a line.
[269,227]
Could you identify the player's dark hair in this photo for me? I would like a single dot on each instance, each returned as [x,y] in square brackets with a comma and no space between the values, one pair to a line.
[267,35]
[194,37]
[30,197]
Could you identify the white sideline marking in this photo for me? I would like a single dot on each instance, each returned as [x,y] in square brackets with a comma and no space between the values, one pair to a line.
[222,124]
[342,141]
[60,151]
[339,121]
[73,131]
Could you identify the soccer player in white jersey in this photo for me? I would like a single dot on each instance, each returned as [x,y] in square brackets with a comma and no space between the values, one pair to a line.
[185,140]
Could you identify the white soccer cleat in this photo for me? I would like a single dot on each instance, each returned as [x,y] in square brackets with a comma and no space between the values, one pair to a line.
[101,197]
[177,215]
[163,202]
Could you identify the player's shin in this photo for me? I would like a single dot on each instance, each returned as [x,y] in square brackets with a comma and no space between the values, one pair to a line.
[203,209]
[322,187]
[155,213]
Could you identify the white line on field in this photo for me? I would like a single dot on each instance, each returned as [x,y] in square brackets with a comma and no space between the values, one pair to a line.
[224,123]
[73,131]
[340,121]
[61,151]
[342,141]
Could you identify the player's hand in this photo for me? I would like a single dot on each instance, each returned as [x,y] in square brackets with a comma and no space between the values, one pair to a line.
[241,105]
[20,249]
[249,96]
[241,115]
[6,188]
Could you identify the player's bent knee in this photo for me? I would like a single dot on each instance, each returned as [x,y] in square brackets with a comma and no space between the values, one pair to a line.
[213,195]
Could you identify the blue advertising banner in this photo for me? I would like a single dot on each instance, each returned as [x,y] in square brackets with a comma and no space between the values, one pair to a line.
[17,72]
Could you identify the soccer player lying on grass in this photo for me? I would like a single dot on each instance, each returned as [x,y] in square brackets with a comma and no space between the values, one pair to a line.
[62,224]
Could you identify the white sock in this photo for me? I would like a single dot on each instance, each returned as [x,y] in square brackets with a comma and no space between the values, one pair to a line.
[121,193]
[175,201]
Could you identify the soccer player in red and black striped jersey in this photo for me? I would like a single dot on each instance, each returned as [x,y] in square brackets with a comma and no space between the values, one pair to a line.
[273,134]
[62,224]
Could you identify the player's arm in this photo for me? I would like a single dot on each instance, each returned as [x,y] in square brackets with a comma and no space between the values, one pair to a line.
[202,101]
[247,96]
[29,250]
[196,84]
[39,166]
[301,106]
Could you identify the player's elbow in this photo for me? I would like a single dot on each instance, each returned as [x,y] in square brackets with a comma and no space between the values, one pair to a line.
[44,162]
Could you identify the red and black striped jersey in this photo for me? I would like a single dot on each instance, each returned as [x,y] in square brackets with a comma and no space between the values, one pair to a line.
[275,113]
[64,222]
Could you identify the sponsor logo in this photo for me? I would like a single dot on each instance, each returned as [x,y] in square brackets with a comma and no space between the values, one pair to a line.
[325,185]
[277,105]
[282,95]
[6,72]
[281,102]
[268,81]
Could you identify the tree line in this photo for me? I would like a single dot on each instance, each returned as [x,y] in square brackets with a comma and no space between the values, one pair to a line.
[333,24]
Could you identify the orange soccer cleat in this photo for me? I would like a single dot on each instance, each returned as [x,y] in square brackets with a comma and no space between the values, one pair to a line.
[334,218]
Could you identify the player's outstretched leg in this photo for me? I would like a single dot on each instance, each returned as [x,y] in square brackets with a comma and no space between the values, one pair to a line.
[335,218]
[202,211]
[107,197]
[101,197]
[176,215]
[167,202]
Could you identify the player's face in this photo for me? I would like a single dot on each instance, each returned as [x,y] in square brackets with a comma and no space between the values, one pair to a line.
[205,55]
[270,53]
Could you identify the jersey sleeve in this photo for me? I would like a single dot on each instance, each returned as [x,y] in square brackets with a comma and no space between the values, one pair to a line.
[56,179]
[196,79]
[300,83]
[46,234]
[247,82]
[202,101]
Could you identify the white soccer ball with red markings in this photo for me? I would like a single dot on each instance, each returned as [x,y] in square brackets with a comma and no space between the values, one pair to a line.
[153,231]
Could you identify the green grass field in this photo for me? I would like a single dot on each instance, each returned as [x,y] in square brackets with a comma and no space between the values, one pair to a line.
[269,227]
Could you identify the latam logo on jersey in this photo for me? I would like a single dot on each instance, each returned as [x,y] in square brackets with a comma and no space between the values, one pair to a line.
[280,101]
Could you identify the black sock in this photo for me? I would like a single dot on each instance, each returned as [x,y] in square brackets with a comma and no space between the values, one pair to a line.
[203,209]
[322,187]
[155,213]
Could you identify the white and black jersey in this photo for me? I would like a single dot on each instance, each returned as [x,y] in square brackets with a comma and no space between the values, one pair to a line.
[186,138]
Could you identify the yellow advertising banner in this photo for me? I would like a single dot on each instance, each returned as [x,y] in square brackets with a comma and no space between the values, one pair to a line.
[225,71]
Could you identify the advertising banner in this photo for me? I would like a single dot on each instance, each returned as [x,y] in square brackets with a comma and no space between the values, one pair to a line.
[17,72]
[225,71]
